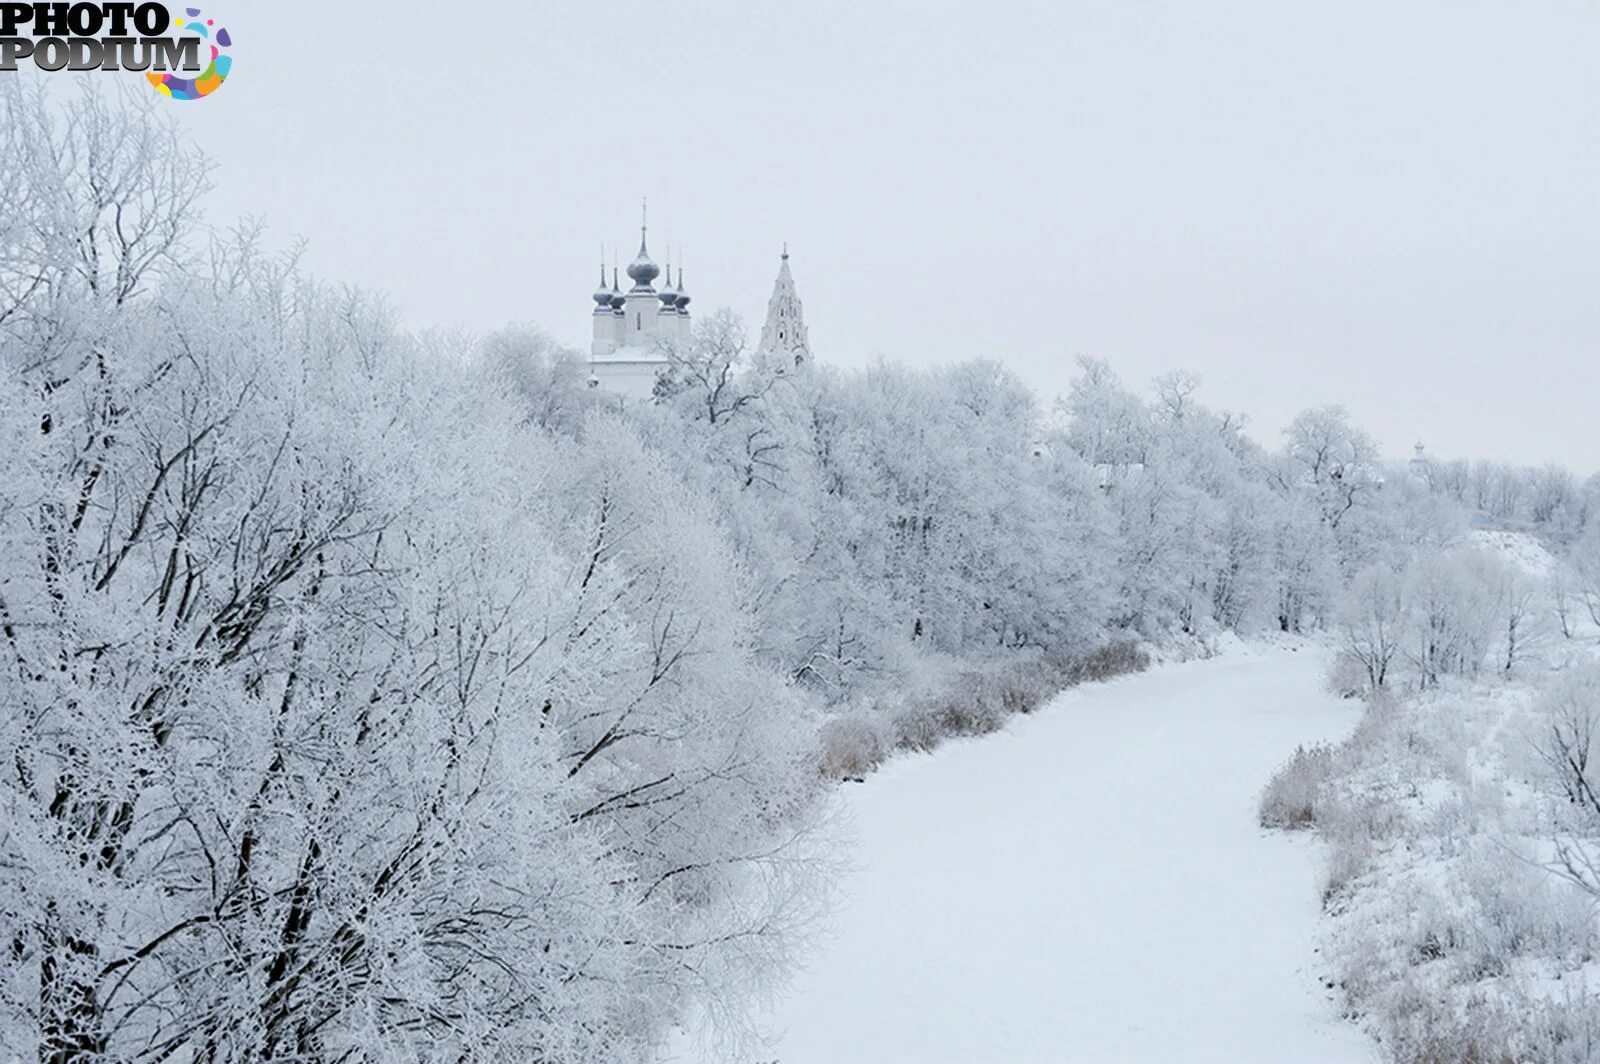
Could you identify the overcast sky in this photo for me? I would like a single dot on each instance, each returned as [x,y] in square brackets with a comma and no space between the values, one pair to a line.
[1390,206]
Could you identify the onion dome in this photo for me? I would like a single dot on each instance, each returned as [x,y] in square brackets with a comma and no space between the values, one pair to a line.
[602,295]
[642,269]
[669,295]
[682,302]
[616,293]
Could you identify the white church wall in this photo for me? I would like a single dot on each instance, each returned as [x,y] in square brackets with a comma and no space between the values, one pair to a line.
[632,379]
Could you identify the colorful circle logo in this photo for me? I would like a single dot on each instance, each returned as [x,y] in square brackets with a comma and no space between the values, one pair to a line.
[212,77]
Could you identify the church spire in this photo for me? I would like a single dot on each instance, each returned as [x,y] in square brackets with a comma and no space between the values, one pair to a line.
[682,300]
[642,270]
[669,295]
[602,294]
[785,330]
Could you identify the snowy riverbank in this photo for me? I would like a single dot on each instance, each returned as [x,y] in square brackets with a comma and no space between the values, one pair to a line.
[1089,885]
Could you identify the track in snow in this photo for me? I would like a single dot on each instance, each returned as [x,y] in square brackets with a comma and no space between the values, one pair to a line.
[1089,885]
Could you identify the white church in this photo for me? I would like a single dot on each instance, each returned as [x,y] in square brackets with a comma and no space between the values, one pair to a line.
[636,331]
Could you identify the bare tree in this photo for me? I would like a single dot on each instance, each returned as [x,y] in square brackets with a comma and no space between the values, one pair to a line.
[1338,460]
[1522,617]
[1583,563]
[1563,597]
[1568,751]
[710,369]
[1372,622]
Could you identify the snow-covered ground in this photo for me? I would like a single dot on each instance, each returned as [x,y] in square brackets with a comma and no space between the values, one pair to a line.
[1518,548]
[1089,885]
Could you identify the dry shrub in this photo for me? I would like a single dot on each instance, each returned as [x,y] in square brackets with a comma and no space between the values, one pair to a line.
[1022,687]
[1568,1030]
[978,701]
[1113,659]
[852,747]
[1427,1027]
[1347,677]
[915,729]
[1428,1024]
[1348,861]
[973,705]
[1293,795]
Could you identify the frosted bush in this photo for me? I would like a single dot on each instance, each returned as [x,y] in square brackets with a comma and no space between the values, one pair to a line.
[852,747]
[916,729]
[979,701]
[1291,799]
[1347,677]
[1347,863]
[1117,658]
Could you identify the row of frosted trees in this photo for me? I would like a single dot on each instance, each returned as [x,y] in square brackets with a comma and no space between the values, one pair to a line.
[892,514]
[342,717]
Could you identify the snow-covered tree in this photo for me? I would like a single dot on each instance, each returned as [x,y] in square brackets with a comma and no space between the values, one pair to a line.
[548,380]
[1583,565]
[1372,622]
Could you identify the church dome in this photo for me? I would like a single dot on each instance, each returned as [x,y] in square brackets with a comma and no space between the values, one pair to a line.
[616,293]
[669,295]
[682,301]
[602,295]
[642,269]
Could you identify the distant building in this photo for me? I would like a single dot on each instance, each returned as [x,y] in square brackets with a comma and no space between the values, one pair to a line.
[635,330]
[1419,467]
[785,330]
